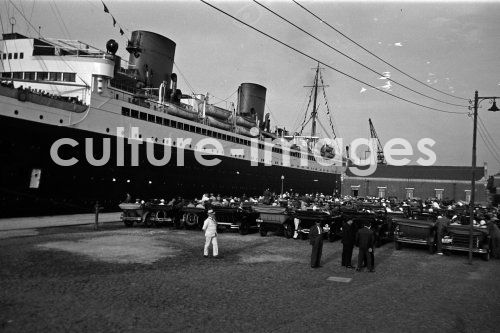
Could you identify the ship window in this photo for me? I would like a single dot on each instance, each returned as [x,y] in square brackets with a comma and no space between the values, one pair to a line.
[6,74]
[4,56]
[15,55]
[151,118]
[198,130]
[173,123]
[209,133]
[204,131]
[261,146]
[42,76]
[53,76]
[21,55]
[143,116]
[159,120]
[166,122]
[69,77]
[17,75]
[10,55]
[29,75]
[180,125]
[126,112]
[134,113]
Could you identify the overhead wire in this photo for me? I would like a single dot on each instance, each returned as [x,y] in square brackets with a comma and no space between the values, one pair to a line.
[326,65]
[497,148]
[373,54]
[487,145]
[354,60]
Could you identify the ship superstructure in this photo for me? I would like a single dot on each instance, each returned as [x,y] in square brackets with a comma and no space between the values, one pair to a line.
[79,127]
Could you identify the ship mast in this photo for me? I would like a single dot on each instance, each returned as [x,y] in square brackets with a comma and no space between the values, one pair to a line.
[314,111]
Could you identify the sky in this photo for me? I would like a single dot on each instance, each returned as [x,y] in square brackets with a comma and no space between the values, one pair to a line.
[450,49]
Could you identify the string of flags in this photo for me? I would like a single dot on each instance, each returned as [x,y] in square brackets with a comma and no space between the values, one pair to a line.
[106,10]
[328,108]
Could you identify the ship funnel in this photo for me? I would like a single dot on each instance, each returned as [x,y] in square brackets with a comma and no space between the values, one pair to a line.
[151,55]
[252,101]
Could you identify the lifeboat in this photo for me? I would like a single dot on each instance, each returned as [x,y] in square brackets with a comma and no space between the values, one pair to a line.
[245,122]
[245,131]
[216,112]
[174,111]
[218,124]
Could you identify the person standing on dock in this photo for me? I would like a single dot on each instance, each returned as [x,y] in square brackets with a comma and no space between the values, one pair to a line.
[348,239]
[316,240]
[210,228]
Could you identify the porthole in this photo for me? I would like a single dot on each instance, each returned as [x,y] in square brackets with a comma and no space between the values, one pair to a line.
[41,117]
[107,130]
[60,121]
[140,136]
[16,112]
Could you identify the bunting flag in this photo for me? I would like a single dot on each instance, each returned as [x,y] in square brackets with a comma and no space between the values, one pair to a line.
[106,10]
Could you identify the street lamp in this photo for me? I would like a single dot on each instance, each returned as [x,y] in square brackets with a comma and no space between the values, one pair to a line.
[282,179]
[494,108]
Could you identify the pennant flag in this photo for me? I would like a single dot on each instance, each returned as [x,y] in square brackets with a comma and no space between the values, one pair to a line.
[114,21]
[106,10]
[121,32]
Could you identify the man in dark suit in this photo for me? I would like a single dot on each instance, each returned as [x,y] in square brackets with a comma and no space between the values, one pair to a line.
[365,239]
[348,239]
[316,240]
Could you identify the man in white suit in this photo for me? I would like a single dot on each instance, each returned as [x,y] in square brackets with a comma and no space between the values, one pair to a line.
[210,228]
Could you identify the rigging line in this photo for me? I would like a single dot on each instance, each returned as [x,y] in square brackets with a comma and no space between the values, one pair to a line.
[324,129]
[225,99]
[184,78]
[297,119]
[329,113]
[487,147]
[61,19]
[352,59]
[24,17]
[307,122]
[6,49]
[373,54]
[326,65]
[487,132]
[272,115]
[58,21]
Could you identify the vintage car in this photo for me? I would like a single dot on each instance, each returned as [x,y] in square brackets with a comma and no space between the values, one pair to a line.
[304,219]
[132,213]
[418,230]
[159,214]
[242,219]
[274,218]
[457,237]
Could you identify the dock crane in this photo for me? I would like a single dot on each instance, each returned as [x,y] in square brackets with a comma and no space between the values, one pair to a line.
[380,149]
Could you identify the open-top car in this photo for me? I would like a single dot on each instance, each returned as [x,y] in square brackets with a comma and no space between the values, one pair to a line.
[415,231]
[456,238]
[132,213]
[306,218]
[274,218]
[158,214]
[236,218]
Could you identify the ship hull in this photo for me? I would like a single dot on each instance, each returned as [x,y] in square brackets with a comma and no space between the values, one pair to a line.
[25,147]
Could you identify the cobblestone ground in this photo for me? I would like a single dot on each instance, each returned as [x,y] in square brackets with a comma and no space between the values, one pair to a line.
[156,280]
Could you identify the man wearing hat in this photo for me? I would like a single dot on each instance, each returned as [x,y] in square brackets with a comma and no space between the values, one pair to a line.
[210,228]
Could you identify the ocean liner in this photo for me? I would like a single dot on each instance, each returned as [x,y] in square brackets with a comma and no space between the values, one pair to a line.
[80,127]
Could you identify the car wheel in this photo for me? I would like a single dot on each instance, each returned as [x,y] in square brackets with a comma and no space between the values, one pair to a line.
[486,256]
[243,229]
[263,232]
[397,245]
[288,230]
